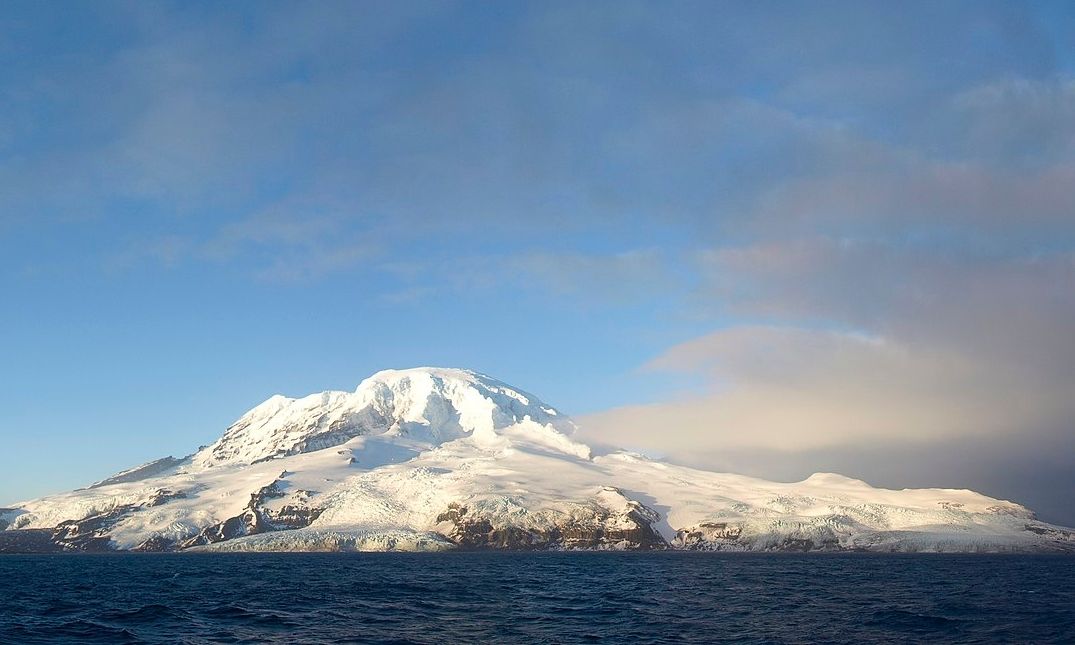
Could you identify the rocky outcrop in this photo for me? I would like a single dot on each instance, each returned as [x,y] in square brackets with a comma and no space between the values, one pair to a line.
[90,534]
[246,523]
[767,534]
[156,544]
[708,536]
[257,518]
[1062,539]
[590,526]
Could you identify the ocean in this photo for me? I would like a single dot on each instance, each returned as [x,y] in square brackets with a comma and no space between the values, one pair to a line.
[536,598]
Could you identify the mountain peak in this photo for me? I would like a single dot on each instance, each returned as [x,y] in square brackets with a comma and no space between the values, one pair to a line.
[447,373]
[426,404]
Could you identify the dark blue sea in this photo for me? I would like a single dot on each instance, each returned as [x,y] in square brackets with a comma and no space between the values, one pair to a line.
[536,598]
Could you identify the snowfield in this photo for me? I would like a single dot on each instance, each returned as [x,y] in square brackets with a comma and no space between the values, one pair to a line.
[430,459]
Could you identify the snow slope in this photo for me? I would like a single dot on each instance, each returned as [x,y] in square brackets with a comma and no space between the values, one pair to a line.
[432,459]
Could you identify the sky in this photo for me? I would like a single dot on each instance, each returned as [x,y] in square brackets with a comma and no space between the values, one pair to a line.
[767,238]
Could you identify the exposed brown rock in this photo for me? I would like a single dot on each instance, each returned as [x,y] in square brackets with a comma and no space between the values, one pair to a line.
[598,529]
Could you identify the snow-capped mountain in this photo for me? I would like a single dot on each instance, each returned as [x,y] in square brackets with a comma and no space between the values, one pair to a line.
[433,459]
[427,405]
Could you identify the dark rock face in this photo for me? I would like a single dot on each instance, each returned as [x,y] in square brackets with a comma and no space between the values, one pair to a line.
[156,544]
[730,536]
[265,493]
[477,532]
[1062,540]
[801,545]
[705,535]
[92,533]
[631,530]
[89,534]
[291,516]
[248,522]
[255,518]
[28,541]
[162,496]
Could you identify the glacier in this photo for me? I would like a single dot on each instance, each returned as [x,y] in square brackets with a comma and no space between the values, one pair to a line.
[432,459]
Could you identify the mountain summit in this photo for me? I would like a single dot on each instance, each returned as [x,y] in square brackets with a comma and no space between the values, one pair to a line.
[427,404]
[433,459]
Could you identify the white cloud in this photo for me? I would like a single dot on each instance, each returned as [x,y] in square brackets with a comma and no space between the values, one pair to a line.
[790,390]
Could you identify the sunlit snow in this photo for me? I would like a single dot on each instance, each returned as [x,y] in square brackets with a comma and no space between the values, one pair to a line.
[384,466]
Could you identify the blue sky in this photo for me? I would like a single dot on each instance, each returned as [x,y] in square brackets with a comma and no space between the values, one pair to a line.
[669,219]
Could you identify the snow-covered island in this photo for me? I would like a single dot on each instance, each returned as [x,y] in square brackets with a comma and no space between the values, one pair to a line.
[432,459]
